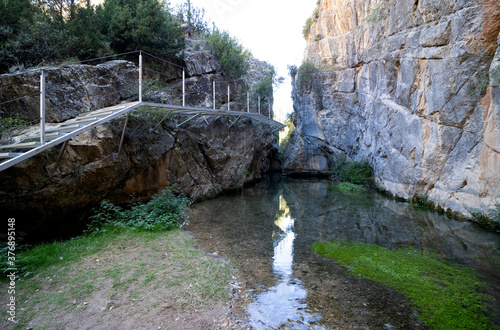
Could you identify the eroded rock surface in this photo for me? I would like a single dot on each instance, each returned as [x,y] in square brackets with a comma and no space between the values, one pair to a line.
[413,87]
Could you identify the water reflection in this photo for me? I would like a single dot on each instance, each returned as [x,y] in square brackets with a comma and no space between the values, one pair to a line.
[282,303]
[268,233]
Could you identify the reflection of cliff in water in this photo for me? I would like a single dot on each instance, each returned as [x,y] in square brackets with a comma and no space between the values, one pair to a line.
[325,215]
[268,232]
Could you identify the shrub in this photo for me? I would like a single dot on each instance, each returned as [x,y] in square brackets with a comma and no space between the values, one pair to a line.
[353,172]
[164,211]
[232,57]
[193,16]
[305,76]
[307,27]
[291,131]
[491,220]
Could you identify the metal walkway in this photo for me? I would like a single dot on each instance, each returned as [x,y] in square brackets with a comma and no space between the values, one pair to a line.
[48,137]
[67,130]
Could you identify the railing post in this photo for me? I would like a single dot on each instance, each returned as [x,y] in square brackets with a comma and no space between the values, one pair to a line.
[248,102]
[228,97]
[259,104]
[183,88]
[140,76]
[214,94]
[42,108]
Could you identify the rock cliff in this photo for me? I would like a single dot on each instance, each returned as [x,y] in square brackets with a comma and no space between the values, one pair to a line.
[204,157]
[413,86]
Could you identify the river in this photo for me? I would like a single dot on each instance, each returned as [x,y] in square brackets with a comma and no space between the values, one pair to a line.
[267,233]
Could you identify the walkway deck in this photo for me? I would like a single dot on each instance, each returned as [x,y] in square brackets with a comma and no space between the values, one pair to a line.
[67,130]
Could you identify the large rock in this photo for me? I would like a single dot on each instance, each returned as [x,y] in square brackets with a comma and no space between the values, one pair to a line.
[70,90]
[413,88]
[203,160]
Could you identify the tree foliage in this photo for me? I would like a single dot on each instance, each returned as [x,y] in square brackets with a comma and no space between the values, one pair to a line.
[194,17]
[229,52]
[265,87]
[305,76]
[42,32]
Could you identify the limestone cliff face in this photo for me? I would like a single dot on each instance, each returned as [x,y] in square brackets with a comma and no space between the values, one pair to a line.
[204,157]
[411,86]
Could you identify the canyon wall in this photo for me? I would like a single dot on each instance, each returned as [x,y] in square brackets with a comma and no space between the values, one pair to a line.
[412,86]
[205,157]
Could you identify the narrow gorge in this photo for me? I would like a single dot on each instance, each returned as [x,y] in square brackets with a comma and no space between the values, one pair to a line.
[413,87]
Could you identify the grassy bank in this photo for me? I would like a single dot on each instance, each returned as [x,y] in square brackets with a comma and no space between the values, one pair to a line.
[133,268]
[446,296]
[120,278]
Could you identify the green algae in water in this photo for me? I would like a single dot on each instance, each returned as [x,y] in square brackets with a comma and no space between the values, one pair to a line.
[447,296]
[347,187]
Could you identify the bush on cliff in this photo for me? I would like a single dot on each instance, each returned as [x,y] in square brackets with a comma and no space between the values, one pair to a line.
[231,55]
[305,76]
[354,172]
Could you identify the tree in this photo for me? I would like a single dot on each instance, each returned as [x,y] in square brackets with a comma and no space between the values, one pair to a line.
[265,87]
[133,25]
[86,26]
[230,54]
[193,16]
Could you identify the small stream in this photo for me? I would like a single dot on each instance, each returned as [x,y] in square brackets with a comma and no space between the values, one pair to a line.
[268,231]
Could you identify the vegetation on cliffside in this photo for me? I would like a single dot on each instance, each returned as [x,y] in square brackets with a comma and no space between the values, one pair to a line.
[40,33]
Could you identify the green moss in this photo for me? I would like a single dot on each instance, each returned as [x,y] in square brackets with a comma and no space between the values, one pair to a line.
[446,295]
[347,187]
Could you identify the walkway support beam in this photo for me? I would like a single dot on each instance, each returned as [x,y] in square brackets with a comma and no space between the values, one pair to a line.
[123,135]
[183,88]
[42,108]
[140,76]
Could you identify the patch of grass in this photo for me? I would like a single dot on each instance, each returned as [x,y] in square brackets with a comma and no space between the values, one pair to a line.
[117,269]
[59,252]
[347,187]
[447,296]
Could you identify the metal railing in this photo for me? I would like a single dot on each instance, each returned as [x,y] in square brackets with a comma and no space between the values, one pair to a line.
[104,116]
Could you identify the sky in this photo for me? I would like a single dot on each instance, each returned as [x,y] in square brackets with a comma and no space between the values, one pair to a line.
[270,29]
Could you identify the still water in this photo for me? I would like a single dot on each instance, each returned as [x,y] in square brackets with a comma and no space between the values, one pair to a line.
[268,231]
